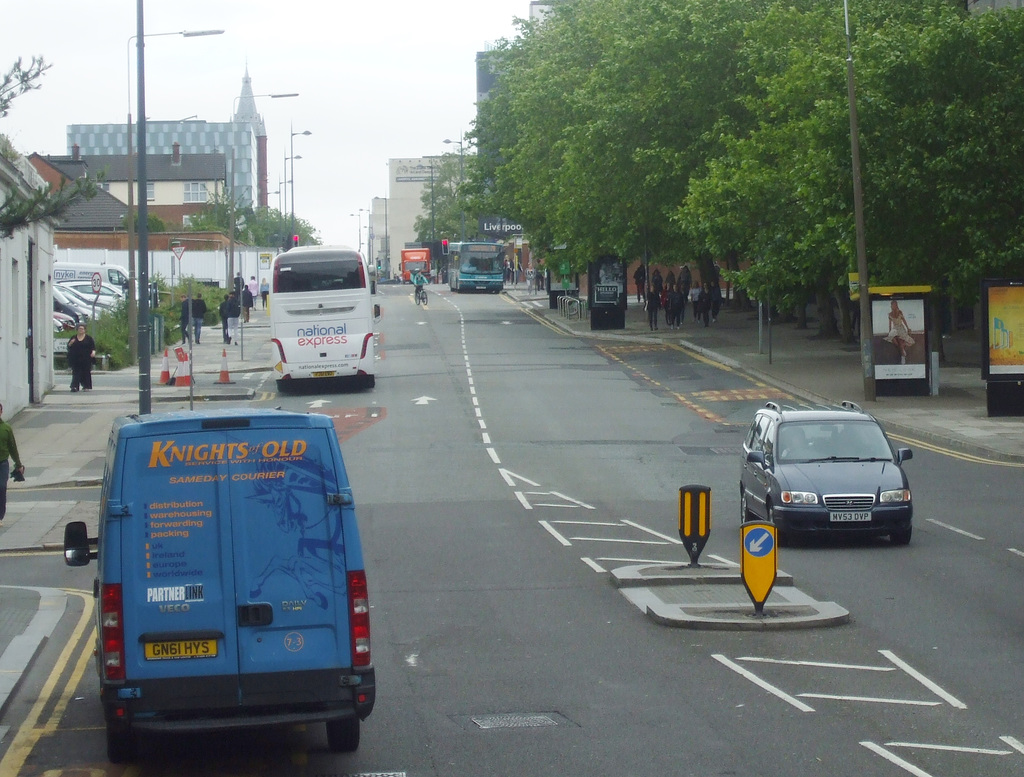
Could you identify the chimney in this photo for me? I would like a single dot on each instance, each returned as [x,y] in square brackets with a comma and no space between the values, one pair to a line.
[76,152]
[176,155]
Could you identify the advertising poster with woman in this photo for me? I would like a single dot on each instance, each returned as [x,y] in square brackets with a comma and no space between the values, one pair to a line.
[898,338]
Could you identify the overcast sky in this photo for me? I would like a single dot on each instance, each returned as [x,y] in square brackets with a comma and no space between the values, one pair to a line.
[377,79]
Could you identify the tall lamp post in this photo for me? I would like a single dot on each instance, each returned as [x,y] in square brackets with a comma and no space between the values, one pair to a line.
[462,223]
[292,147]
[133,311]
[145,385]
[867,362]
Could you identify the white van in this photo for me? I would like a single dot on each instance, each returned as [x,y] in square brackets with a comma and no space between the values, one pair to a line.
[110,273]
[323,312]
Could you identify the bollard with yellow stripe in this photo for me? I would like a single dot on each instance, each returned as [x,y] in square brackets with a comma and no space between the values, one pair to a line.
[758,561]
[694,519]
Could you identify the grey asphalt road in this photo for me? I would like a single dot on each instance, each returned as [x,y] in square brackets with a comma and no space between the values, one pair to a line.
[501,469]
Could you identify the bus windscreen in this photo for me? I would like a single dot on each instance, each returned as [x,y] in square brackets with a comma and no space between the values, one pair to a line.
[335,272]
[482,259]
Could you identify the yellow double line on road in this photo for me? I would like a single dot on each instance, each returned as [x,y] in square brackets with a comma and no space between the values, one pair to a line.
[39,722]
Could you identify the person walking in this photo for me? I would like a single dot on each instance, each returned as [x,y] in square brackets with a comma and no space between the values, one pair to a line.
[254,291]
[198,314]
[715,290]
[8,450]
[675,308]
[703,307]
[653,305]
[234,311]
[640,278]
[81,352]
[264,291]
[222,310]
[685,282]
[185,318]
[247,303]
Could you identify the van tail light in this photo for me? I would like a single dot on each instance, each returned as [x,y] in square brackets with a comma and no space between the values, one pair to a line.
[112,631]
[359,617]
[280,349]
[366,344]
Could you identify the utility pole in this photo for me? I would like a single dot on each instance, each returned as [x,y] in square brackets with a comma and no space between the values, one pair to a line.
[867,362]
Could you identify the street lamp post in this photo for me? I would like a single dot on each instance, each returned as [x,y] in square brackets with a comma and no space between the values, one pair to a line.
[858,216]
[145,386]
[292,146]
[462,224]
[133,318]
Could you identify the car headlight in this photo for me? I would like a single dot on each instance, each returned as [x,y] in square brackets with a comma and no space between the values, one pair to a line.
[799,498]
[899,495]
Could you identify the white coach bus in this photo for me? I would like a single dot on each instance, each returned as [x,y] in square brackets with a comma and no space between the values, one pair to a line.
[323,311]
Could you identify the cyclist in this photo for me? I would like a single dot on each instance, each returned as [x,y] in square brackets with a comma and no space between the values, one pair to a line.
[419,282]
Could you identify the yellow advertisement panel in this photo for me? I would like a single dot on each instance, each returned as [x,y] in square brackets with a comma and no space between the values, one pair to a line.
[1005,327]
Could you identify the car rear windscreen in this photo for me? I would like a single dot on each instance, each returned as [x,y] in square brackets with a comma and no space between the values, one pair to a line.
[322,272]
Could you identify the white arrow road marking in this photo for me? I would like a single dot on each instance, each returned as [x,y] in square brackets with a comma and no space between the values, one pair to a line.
[423,400]
[319,402]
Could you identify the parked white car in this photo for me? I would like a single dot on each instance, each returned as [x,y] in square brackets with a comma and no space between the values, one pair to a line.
[108,297]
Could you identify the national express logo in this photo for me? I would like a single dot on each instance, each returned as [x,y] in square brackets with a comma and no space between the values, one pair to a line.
[321,335]
[166,453]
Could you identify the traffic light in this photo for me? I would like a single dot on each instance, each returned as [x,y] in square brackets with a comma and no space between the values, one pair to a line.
[295,241]
[444,246]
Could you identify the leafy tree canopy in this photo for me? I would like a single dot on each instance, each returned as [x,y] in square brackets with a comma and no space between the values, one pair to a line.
[17,210]
[690,129]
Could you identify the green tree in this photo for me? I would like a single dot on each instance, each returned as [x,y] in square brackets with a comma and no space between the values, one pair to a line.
[253,226]
[17,210]
[442,201]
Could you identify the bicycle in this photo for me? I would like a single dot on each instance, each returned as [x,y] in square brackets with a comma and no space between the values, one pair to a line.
[421,295]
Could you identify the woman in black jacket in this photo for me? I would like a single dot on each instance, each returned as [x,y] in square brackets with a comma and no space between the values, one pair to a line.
[81,352]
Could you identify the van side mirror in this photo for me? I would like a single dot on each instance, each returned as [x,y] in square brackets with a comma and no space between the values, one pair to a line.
[756,457]
[78,548]
[903,454]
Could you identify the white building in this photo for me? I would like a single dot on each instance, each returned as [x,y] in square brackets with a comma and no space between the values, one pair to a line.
[407,180]
[26,300]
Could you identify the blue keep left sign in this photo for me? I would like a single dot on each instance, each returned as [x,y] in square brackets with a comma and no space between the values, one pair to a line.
[759,542]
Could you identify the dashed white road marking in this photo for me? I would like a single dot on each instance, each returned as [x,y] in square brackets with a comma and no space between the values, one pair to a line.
[955,529]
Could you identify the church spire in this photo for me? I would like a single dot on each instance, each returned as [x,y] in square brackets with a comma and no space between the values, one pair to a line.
[246,111]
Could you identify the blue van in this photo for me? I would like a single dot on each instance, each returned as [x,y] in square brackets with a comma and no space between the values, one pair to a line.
[231,588]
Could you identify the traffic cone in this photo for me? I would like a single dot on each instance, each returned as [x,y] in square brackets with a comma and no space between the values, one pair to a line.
[165,370]
[224,378]
[183,376]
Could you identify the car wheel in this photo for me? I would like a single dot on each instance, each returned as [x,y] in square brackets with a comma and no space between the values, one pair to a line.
[343,735]
[901,536]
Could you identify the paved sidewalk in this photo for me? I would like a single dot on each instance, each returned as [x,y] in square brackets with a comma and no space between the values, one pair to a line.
[826,371]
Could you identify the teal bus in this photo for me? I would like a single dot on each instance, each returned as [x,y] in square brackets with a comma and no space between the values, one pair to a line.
[476,267]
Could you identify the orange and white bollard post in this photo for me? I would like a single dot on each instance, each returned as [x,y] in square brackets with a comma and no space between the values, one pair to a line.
[224,377]
[165,370]
[183,375]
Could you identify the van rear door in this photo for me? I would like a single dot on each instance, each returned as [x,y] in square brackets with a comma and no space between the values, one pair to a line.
[234,560]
